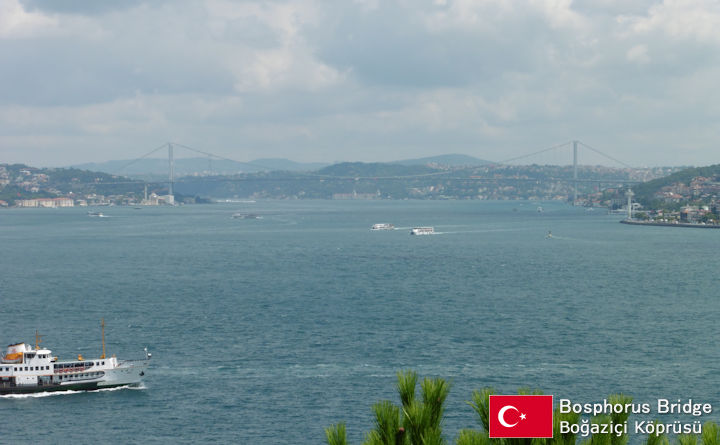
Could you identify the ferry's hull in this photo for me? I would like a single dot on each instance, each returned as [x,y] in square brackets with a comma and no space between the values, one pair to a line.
[87,386]
[130,373]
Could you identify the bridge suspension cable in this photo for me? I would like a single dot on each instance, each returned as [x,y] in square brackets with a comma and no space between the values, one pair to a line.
[140,158]
[223,158]
[504,161]
[604,155]
[309,175]
[306,175]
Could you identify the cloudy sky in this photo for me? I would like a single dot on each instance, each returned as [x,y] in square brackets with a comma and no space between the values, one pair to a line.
[363,80]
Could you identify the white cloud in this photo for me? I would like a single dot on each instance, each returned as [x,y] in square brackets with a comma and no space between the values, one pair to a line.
[684,19]
[364,80]
[15,22]
[638,54]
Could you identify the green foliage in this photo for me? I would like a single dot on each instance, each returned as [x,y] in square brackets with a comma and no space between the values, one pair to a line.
[563,438]
[481,404]
[687,439]
[406,382]
[419,421]
[336,435]
[472,437]
[387,424]
[710,434]
[619,418]
[644,192]
[422,420]
[11,193]
[653,439]
[602,438]
[434,392]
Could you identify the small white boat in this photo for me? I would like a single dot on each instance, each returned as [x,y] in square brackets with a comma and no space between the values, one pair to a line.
[382,226]
[240,215]
[96,214]
[422,231]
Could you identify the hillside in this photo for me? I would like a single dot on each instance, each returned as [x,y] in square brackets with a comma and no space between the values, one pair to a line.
[645,192]
[151,167]
[374,169]
[156,168]
[449,160]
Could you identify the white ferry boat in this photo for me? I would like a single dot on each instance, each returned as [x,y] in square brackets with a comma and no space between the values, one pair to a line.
[382,226]
[422,231]
[240,215]
[24,369]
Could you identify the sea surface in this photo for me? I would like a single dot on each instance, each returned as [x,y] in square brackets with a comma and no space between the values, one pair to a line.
[266,331]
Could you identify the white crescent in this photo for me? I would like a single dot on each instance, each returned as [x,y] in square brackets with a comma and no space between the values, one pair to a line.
[501,416]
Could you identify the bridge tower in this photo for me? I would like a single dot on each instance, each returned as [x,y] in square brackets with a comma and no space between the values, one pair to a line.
[575,147]
[171,161]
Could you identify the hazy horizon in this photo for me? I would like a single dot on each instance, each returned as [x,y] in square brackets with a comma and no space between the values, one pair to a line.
[607,164]
[366,81]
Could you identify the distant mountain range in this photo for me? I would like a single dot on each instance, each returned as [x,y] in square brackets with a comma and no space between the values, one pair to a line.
[151,167]
[189,166]
[450,160]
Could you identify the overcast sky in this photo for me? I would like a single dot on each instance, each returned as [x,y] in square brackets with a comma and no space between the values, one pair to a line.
[363,80]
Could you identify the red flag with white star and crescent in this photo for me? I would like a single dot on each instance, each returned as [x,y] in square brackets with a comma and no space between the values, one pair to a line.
[521,416]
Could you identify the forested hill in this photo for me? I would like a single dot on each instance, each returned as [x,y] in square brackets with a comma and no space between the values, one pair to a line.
[19,181]
[375,169]
[645,192]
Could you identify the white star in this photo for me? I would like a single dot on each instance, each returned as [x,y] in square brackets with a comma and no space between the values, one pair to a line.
[522,416]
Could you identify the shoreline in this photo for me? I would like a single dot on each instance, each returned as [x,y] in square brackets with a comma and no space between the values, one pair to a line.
[669,224]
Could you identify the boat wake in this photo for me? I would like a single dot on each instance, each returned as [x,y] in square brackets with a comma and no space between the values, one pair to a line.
[482,231]
[36,395]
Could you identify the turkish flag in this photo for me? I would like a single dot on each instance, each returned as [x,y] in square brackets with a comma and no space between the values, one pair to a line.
[521,416]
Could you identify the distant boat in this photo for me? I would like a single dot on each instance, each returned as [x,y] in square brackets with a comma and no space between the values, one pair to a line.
[540,209]
[246,216]
[382,226]
[549,235]
[422,231]
[96,214]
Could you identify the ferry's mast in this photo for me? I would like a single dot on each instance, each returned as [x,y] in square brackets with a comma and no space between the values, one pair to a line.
[102,323]
[37,340]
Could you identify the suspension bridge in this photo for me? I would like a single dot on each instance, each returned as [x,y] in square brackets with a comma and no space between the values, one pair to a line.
[453,174]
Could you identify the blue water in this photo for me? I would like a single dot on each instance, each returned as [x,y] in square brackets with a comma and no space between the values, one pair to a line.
[266,331]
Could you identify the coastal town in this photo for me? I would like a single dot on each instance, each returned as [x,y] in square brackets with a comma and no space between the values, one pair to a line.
[22,186]
[670,195]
